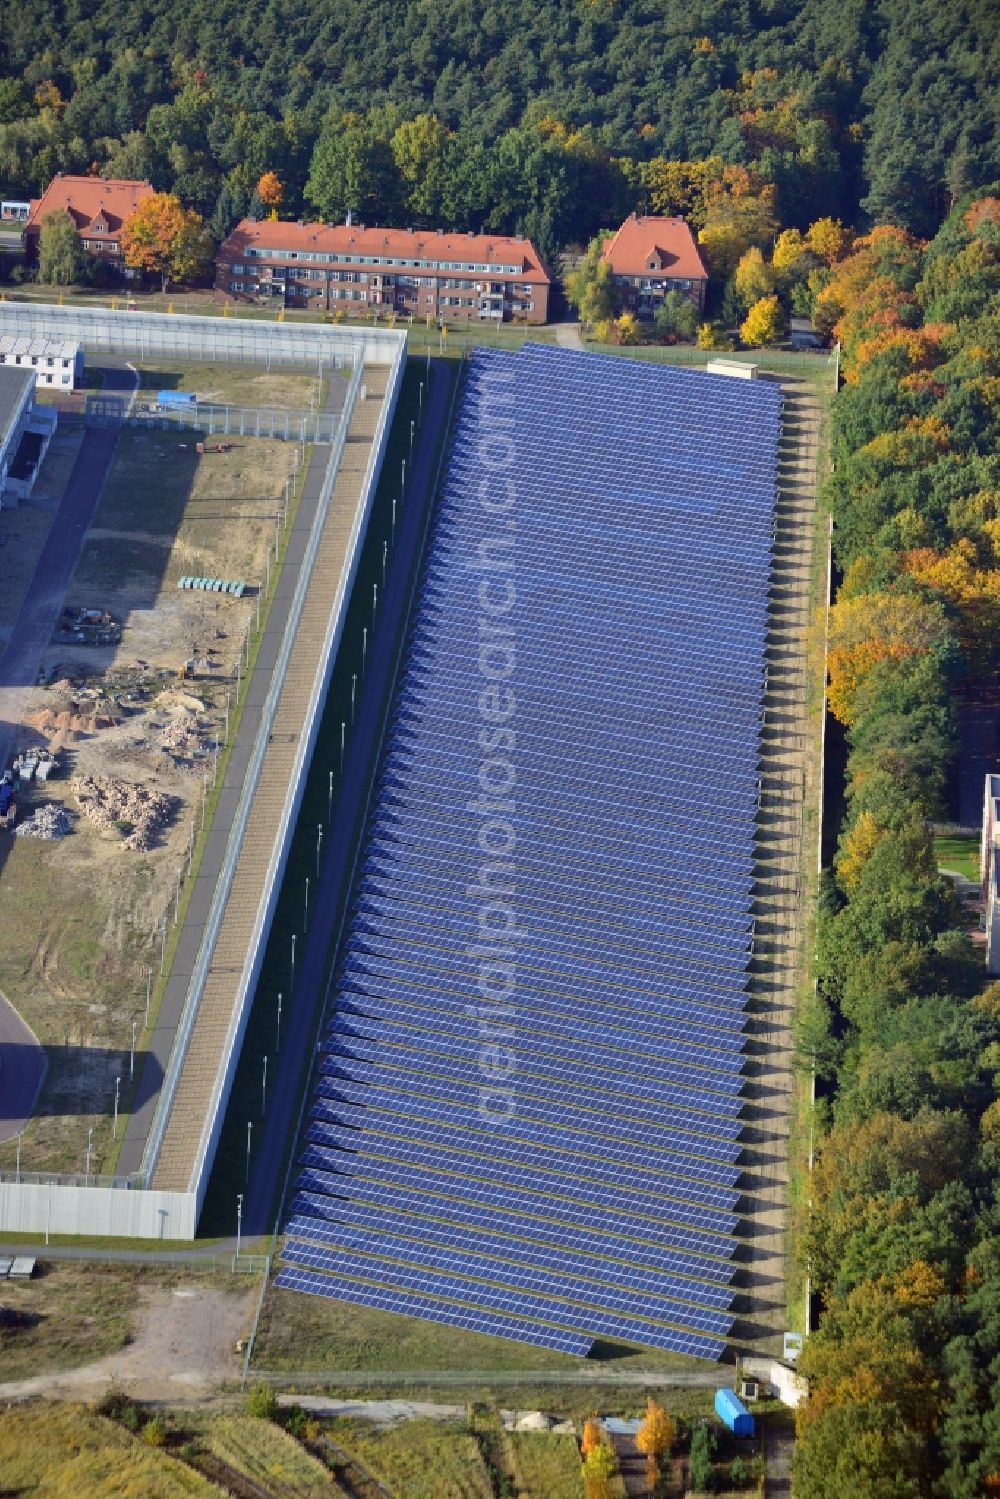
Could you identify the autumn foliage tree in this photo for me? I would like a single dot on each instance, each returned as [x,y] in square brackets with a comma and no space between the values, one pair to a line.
[655,1437]
[163,238]
[593,1435]
[764,323]
[600,1467]
[271,192]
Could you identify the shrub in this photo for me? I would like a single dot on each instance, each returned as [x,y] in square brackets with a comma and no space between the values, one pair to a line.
[703,1443]
[154,1433]
[262,1402]
[295,1420]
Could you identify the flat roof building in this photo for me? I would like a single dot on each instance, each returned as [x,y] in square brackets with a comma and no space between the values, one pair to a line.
[56,363]
[652,256]
[98,206]
[358,270]
[25,430]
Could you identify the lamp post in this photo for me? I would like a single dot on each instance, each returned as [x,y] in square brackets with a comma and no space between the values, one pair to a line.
[90,1141]
[292,984]
[305,909]
[249,1128]
[131,1055]
[163,943]
[394,520]
[277,1029]
[118,1089]
[385,557]
[319,845]
[354,688]
[364,650]
[374,604]
[149,986]
[239,1221]
[329,794]
[343,733]
[263,1090]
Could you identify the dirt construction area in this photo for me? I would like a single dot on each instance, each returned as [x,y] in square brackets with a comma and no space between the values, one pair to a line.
[133,730]
[78,1326]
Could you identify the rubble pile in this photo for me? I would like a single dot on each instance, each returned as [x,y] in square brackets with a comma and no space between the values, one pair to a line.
[134,813]
[183,739]
[49,822]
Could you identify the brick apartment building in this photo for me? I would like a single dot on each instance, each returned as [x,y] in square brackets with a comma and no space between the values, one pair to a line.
[98,206]
[651,256]
[414,273]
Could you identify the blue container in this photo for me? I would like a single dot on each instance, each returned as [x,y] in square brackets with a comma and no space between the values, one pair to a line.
[733,1413]
[175,398]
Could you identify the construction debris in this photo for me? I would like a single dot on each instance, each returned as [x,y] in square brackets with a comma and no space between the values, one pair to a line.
[48,822]
[87,627]
[68,721]
[134,812]
[183,741]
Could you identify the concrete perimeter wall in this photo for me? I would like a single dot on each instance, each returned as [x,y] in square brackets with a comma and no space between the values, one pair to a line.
[335,627]
[51,1207]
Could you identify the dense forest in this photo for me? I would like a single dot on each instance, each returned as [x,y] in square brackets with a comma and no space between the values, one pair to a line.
[549,118]
[902,1233]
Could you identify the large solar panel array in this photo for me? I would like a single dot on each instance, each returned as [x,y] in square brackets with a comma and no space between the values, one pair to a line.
[605,531]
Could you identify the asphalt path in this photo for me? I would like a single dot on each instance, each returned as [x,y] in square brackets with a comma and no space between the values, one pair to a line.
[22,1071]
[34,626]
[313,970]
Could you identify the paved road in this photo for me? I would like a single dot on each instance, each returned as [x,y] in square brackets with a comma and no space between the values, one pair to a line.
[22,1070]
[313,971]
[32,632]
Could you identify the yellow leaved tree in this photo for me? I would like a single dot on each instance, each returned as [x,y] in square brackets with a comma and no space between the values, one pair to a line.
[765,323]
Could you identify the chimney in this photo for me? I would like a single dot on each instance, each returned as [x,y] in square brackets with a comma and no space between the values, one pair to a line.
[350,219]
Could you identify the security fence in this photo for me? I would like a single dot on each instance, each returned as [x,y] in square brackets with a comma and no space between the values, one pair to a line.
[218,340]
[203,416]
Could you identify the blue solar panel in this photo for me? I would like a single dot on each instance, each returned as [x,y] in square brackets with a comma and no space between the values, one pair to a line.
[707,1281]
[632,517]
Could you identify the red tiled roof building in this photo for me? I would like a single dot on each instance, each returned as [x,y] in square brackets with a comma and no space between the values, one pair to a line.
[98,206]
[419,273]
[651,256]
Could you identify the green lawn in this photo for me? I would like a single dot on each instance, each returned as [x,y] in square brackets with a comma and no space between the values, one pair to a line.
[958,855]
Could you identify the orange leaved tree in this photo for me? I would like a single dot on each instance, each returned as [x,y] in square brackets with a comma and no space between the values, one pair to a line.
[593,1436]
[165,239]
[271,192]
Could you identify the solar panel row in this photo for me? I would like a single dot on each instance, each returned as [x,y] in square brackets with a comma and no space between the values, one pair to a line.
[625,513]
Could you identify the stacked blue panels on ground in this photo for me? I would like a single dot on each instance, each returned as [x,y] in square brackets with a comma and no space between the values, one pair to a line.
[527,1116]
